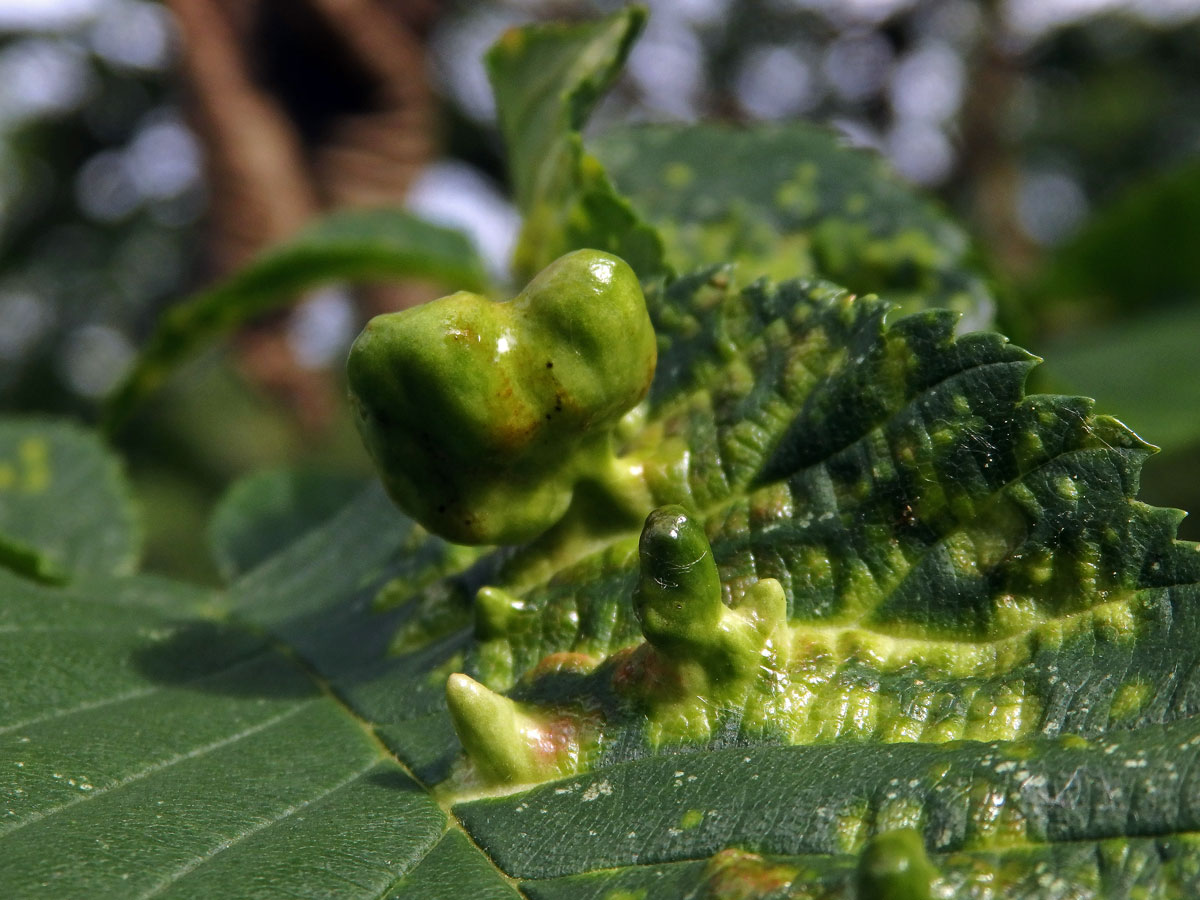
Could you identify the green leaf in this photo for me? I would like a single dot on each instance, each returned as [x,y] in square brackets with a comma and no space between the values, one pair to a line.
[797,203]
[667,198]
[546,80]
[360,245]
[1140,250]
[993,815]
[47,467]
[1147,367]
[454,869]
[148,753]
[976,670]
[916,508]
[992,647]
[264,512]
[151,747]
[961,562]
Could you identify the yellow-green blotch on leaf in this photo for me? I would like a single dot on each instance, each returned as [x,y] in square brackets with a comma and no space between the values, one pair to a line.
[484,416]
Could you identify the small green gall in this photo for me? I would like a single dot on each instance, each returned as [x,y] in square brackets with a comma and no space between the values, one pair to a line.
[509,743]
[678,594]
[484,416]
[895,866]
[678,602]
[493,730]
[496,613]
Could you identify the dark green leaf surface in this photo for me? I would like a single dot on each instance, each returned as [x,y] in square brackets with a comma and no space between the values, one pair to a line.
[148,749]
[47,468]
[454,869]
[265,512]
[797,203]
[320,596]
[1002,797]
[362,245]
[148,755]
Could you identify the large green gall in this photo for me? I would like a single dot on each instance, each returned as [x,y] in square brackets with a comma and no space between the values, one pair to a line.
[484,416]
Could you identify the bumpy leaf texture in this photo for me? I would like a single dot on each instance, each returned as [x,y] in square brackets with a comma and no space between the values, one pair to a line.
[782,202]
[992,646]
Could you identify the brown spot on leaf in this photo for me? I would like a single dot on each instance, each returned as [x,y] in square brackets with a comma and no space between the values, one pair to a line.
[739,875]
[642,669]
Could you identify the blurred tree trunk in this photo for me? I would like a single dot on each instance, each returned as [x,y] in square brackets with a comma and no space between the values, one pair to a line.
[990,148]
[303,106]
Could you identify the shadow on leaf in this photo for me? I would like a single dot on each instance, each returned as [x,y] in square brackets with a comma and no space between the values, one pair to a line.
[222,659]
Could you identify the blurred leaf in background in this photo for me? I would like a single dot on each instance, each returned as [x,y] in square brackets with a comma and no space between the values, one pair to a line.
[1120,303]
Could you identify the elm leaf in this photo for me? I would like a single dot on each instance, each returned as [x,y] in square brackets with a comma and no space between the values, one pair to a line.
[799,203]
[47,467]
[546,80]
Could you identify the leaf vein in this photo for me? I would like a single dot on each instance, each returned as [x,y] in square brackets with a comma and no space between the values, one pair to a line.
[160,766]
[224,845]
[129,695]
